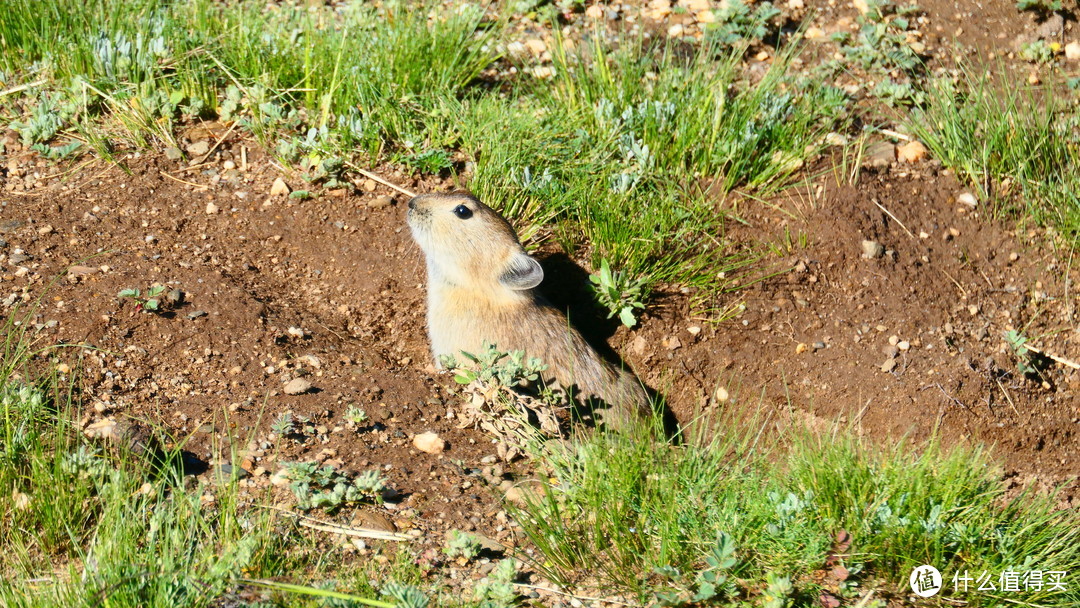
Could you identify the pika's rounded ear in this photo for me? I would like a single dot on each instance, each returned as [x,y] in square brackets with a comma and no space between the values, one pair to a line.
[522,272]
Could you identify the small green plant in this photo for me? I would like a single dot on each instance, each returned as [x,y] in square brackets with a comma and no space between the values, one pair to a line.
[1040,6]
[736,22]
[327,488]
[283,425]
[618,293]
[461,544]
[497,590]
[898,94]
[152,301]
[882,42]
[405,596]
[1025,358]
[46,119]
[429,161]
[777,591]
[1038,51]
[355,415]
[493,366]
[56,152]
[711,583]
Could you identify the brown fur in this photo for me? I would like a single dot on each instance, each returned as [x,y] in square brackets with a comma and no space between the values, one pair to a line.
[480,289]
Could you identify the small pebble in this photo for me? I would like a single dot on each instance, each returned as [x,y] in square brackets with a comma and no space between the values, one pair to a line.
[872,249]
[1072,51]
[297,386]
[199,148]
[429,442]
[911,152]
[968,199]
[279,188]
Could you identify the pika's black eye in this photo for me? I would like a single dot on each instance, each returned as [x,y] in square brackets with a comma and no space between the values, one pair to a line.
[463,212]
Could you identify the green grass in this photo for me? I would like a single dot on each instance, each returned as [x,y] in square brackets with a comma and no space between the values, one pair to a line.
[83,524]
[631,515]
[613,156]
[1019,146]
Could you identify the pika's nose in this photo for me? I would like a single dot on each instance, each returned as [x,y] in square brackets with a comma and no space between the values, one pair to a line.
[412,203]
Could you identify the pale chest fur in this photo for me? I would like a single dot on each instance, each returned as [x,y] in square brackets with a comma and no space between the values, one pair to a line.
[460,319]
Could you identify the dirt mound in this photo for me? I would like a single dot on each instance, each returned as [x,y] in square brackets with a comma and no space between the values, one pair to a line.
[901,334]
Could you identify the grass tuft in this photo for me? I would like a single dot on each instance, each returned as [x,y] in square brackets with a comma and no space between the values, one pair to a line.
[631,515]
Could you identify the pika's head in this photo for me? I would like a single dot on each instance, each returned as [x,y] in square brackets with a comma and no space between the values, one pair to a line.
[468,243]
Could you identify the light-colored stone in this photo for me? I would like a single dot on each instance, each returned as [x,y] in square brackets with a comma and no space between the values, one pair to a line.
[279,188]
[82,270]
[211,208]
[1072,51]
[297,386]
[814,34]
[516,50]
[199,148]
[20,500]
[911,152]
[594,12]
[429,442]
[102,429]
[536,46]
[861,5]
[968,199]
[872,249]
[280,478]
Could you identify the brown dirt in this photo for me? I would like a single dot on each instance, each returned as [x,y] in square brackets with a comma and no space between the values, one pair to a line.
[348,275]
[950,283]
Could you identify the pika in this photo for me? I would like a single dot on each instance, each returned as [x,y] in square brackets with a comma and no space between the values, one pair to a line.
[481,288]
